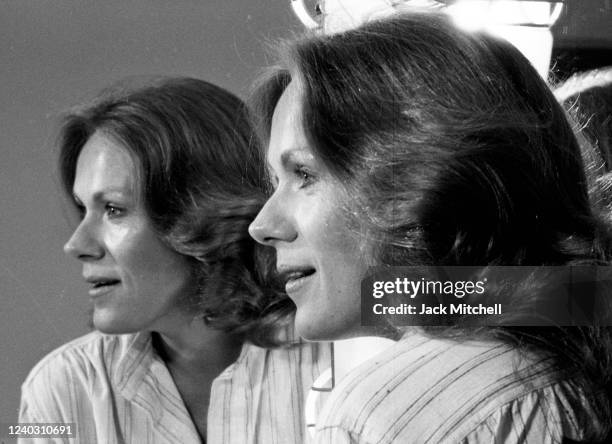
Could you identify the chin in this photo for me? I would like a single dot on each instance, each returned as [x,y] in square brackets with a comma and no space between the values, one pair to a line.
[305,328]
[323,329]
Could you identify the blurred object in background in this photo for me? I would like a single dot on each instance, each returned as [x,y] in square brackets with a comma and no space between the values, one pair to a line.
[582,37]
[577,33]
[525,24]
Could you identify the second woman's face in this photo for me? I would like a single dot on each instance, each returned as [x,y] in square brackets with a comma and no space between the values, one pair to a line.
[318,256]
[136,282]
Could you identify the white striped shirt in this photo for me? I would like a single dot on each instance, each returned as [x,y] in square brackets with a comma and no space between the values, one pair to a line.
[116,389]
[424,390]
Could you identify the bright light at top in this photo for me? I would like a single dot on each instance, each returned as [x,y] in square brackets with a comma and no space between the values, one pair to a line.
[300,11]
[524,23]
[471,14]
[487,14]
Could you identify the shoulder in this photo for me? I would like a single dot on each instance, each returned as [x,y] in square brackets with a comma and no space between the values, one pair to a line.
[68,374]
[550,414]
[93,351]
[434,388]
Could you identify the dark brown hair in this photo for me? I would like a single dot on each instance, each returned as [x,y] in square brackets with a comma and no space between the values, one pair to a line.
[587,97]
[199,173]
[456,153]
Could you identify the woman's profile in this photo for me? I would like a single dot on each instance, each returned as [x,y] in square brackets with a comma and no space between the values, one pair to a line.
[165,177]
[409,142]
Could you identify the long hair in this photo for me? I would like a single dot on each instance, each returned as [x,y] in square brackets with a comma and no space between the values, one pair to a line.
[456,153]
[198,170]
[587,96]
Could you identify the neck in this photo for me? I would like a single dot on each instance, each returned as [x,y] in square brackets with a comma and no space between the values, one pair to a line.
[195,355]
[196,348]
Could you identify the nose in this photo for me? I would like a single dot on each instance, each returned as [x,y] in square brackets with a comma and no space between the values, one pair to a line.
[83,244]
[273,224]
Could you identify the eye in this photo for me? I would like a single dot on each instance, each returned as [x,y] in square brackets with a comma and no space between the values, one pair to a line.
[304,175]
[272,182]
[113,211]
[80,210]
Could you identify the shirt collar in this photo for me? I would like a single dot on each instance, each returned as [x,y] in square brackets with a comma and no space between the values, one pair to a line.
[135,359]
[143,379]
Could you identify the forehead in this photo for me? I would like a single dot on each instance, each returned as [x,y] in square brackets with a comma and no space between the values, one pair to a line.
[287,131]
[104,164]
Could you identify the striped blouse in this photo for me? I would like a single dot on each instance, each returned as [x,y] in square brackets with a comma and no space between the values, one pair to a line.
[116,389]
[424,390]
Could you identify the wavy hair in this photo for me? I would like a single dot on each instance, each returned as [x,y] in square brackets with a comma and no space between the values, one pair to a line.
[587,97]
[199,173]
[455,153]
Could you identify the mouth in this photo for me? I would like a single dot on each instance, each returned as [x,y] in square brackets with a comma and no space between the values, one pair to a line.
[295,277]
[100,286]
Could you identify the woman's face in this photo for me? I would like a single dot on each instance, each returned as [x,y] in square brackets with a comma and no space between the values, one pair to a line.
[305,220]
[136,281]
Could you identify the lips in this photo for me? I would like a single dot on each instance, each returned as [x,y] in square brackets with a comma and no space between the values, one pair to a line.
[295,277]
[101,285]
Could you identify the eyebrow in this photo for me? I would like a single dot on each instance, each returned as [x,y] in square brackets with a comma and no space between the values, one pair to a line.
[100,195]
[289,156]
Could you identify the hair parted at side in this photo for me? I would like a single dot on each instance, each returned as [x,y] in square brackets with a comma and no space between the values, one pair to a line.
[412,109]
[199,174]
[455,153]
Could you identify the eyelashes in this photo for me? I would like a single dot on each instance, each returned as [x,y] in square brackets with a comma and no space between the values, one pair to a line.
[304,175]
[111,210]
[80,210]
[271,183]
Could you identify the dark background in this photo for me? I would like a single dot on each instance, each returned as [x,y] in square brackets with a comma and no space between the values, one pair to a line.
[57,53]
[582,37]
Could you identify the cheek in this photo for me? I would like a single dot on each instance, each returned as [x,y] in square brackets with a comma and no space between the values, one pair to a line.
[335,232]
[119,240]
[322,221]
[141,255]
[340,246]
